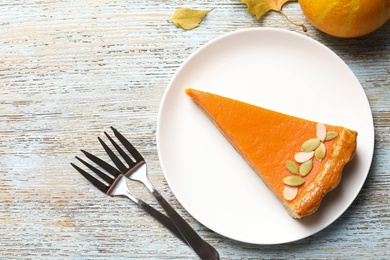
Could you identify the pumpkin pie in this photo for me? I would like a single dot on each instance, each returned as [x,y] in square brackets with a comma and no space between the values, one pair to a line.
[299,160]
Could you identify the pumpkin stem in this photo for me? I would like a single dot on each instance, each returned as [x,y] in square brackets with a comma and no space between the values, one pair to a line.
[304,28]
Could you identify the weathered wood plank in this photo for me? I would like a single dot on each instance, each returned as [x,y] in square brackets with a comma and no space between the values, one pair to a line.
[70,69]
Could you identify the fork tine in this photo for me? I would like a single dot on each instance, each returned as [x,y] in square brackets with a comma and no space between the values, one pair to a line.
[112,170]
[98,184]
[121,152]
[137,156]
[104,176]
[113,157]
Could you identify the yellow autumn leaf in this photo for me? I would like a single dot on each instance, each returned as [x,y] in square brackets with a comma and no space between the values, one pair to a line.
[261,7]
[187,18]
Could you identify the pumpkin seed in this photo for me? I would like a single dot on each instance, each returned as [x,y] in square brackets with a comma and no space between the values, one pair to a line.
[330,135]
[292,167]
[320,152]
[289,193]
[321,131]
[302,157]
[305,168]
[310,145]
[293,181]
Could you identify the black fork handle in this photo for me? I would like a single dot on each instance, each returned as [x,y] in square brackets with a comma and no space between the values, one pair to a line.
[200,246]
[166,221]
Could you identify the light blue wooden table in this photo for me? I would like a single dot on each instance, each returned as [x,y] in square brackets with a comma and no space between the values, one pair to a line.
[70,69]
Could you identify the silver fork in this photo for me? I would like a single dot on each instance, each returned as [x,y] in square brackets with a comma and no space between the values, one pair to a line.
[117,186]
[136,170]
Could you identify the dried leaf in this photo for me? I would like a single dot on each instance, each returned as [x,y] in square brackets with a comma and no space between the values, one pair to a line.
[260,7]
[187,18]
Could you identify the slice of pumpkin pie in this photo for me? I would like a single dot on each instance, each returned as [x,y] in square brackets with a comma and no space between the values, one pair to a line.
[298,159]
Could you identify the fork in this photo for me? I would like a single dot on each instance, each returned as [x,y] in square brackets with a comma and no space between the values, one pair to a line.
[117,186]
[137,171]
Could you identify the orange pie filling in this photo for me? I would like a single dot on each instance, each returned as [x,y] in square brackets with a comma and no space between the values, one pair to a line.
[299,160]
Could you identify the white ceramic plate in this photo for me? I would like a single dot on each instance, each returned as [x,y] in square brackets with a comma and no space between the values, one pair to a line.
[279,70]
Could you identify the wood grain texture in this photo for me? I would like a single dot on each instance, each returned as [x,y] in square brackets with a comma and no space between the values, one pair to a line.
[70,69]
